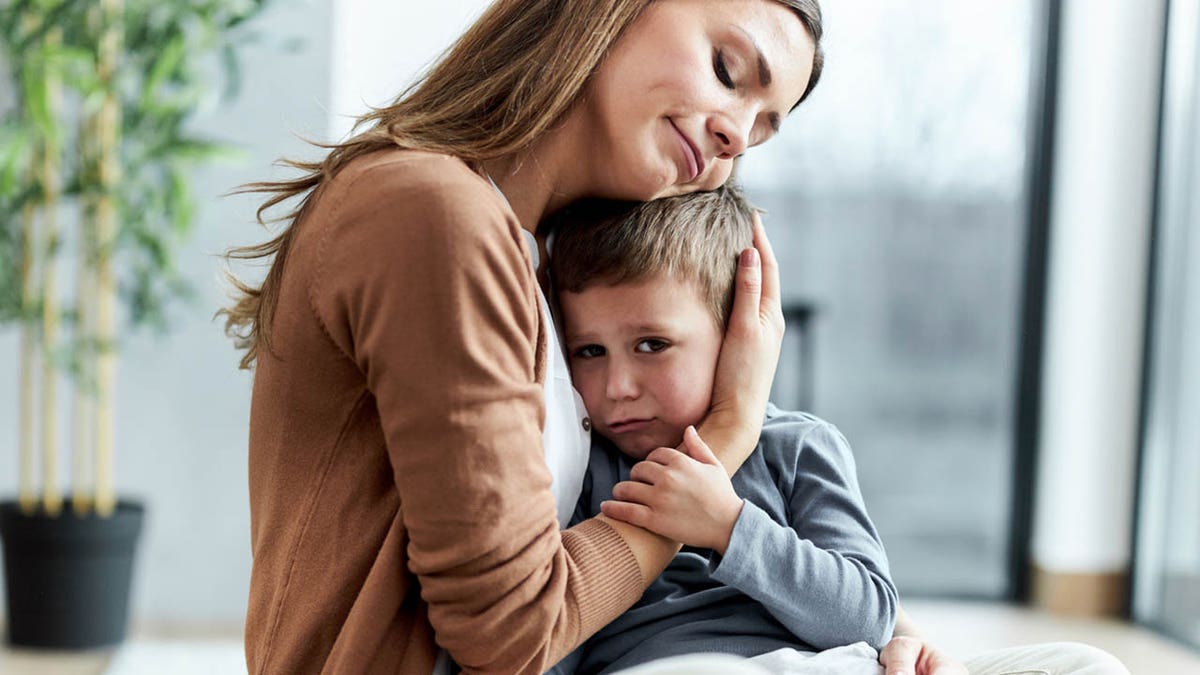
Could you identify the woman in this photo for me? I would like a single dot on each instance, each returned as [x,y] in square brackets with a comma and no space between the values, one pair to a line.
[401,500]
[398,485]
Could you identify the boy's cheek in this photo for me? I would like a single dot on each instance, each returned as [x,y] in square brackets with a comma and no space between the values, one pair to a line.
[591,401]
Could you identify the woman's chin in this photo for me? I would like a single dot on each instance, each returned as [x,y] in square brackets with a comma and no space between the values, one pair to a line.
[652,183]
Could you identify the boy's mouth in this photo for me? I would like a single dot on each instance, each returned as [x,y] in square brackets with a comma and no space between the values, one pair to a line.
[628,424]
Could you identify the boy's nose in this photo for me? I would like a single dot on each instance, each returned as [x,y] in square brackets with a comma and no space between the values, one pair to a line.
[622,384]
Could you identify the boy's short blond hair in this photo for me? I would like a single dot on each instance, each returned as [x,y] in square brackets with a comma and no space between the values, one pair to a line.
[695,237]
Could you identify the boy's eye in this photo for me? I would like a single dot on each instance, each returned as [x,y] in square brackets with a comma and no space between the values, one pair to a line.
[651,345]
[589,351]
[722,70]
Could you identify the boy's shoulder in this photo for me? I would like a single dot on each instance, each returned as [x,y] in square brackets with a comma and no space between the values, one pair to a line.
[785,424]
[790,437]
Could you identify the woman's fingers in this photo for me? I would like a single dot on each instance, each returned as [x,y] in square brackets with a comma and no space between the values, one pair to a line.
[747,294]
[912,656]
[770,266]
[900,656]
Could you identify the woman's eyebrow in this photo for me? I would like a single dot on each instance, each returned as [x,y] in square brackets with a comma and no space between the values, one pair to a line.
[764,76]
[764,70]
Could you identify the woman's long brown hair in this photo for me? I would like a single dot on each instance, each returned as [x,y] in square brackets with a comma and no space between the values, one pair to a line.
[507,81]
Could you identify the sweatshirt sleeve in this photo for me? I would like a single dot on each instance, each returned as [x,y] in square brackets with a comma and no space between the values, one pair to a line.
[423,282]
[826,576]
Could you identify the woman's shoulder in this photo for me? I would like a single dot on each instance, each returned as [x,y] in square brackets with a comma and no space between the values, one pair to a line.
[402,216]
[398,181]
[409,208]
[428,169]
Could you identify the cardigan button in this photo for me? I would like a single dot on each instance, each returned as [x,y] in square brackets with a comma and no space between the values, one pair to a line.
[587,424]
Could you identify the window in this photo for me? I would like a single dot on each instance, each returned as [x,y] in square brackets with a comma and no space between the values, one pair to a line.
[1167,555]
[897,203]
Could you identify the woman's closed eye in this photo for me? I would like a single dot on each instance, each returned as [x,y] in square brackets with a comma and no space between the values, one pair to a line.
[651,345]
[721,68]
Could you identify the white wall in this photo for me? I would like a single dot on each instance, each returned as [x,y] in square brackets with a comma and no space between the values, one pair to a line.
[381,46]
[1100,223]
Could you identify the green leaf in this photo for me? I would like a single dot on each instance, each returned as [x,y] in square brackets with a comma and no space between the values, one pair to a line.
[165,67]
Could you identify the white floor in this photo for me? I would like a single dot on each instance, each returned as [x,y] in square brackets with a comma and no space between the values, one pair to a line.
[962,629]
[970,628]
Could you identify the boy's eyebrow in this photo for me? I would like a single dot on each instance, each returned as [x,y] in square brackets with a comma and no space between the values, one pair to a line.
[571,338]
[650,328]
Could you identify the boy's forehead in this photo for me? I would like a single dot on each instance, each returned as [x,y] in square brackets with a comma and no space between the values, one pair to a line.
[656,301]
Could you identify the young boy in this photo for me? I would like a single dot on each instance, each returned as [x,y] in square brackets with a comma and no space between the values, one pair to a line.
[781,556]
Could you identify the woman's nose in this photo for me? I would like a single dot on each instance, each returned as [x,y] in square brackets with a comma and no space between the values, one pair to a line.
[731,133]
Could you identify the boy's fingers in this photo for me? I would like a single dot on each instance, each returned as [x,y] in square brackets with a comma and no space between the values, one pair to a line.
[664,456]
[634,492]
[697,449]
[634,514]
[646,472]
[770,266]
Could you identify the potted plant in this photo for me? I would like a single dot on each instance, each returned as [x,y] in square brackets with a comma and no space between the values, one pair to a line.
[95,140]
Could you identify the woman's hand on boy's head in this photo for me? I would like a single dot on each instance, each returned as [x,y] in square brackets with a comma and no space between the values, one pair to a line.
[750,351]
[684,496]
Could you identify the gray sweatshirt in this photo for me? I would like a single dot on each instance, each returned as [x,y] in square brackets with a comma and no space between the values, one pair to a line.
[804,569]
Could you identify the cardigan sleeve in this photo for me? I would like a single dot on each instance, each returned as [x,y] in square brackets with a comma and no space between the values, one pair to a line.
[423,282]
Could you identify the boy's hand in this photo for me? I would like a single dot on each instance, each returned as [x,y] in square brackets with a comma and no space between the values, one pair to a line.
[685,497]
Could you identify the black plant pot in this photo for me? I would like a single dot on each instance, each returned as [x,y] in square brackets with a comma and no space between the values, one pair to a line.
[68,576]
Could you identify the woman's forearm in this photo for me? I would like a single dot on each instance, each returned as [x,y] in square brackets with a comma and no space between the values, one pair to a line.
[731,439]
[652,551]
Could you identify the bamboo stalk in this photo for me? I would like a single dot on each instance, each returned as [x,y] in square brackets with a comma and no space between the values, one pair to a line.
[108,146]
[51,188]
[27,489]
[83,404]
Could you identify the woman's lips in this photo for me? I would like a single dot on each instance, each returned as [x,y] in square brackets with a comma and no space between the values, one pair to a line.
[691,155]
[627,425]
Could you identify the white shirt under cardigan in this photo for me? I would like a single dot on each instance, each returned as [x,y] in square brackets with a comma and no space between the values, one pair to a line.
[566,438]
[567,434]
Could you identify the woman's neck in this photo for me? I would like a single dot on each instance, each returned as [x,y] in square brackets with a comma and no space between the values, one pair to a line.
[542,179]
